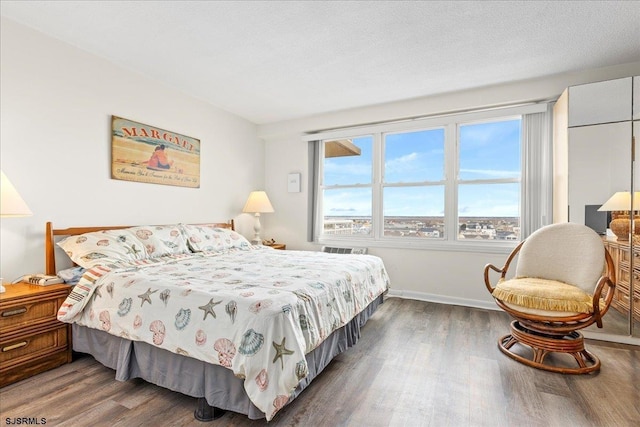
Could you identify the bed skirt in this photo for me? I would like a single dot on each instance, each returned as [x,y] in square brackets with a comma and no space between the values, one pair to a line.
[193,377]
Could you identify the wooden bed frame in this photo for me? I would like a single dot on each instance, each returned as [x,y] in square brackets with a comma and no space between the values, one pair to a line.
[51,234]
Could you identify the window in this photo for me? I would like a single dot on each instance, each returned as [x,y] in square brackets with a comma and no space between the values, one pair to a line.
[454,180]
[414,184]
[488,184]
[348,179]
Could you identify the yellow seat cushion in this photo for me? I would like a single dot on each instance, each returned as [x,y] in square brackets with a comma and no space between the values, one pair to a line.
[543,294]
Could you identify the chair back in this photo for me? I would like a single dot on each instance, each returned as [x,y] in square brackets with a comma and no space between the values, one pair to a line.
[567,252]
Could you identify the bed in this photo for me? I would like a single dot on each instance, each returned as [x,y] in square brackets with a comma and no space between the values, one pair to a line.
[199,310]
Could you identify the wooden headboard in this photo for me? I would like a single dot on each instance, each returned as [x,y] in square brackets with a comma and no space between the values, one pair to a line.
[51,233]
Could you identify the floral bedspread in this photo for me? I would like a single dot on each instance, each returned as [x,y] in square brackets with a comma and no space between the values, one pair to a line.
[256,311]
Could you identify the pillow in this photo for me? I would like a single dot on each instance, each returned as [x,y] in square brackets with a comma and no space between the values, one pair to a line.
[125,245]
[204,238]
[161,240]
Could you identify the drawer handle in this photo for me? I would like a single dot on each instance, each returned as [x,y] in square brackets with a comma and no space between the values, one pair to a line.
[15,312]
[14,346]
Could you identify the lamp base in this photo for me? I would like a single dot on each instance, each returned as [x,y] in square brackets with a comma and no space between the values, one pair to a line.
[256,228]
[622,225]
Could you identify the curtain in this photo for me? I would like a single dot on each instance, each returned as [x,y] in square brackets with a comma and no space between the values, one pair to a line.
[314,163]
[537,171]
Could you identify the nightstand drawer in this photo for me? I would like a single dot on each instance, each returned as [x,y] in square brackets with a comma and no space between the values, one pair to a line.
[17,316]
[16,349]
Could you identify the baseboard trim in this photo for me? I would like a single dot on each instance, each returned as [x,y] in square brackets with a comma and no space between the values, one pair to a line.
[440,299]
[620,339]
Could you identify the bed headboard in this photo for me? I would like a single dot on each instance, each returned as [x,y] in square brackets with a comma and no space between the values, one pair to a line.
[51,234]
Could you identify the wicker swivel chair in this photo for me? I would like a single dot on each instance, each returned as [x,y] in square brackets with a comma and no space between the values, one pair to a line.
[564,281]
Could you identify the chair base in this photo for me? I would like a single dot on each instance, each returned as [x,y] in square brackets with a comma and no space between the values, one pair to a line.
[542,344]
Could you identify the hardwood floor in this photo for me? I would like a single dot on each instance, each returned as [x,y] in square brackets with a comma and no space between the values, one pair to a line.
[417,364]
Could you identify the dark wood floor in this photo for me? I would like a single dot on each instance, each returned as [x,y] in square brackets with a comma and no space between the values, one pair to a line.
[417,364]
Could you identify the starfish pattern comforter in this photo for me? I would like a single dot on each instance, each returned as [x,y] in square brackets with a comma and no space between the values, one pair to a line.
[256,311]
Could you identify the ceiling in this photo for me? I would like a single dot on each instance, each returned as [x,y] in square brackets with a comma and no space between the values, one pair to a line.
[279,60]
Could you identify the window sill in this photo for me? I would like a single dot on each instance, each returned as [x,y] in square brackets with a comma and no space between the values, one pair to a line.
[439,245]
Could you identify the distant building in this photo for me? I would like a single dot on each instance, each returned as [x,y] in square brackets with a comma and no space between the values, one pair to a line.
[430,232]
[338,226]
[488,228]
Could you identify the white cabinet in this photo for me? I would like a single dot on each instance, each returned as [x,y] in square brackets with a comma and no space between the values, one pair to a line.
[592,146]
[601,102]
[599,165]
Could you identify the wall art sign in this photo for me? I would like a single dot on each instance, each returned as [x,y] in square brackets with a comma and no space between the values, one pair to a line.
[144,153]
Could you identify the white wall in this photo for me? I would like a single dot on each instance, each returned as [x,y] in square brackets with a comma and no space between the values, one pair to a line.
[454,277]
[55,146]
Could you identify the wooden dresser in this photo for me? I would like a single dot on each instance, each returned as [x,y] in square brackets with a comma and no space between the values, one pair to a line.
[32,340]
[621,255]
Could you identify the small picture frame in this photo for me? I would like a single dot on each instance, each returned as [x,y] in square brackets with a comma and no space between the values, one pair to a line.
[293,183]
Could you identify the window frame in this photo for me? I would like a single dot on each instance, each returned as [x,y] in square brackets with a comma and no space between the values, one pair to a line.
[451,124]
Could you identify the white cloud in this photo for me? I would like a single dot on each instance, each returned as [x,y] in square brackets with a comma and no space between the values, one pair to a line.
[401,162]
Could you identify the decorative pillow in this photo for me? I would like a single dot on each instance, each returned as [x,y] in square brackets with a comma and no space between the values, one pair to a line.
[203,238]
[129,244]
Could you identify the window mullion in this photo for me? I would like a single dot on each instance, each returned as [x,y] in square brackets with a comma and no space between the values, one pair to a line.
[451,175]
[490,181]
[377,214]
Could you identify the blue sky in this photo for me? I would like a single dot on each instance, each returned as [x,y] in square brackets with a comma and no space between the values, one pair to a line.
[487,151]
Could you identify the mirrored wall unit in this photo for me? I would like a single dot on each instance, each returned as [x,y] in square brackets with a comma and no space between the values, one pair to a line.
[597,183]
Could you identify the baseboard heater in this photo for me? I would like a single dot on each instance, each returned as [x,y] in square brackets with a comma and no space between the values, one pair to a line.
[336,250]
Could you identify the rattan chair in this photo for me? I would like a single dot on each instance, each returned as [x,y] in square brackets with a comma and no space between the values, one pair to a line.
[563,282]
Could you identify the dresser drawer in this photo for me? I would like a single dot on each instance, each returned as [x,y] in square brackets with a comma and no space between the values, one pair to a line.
[625,255]
[623,280]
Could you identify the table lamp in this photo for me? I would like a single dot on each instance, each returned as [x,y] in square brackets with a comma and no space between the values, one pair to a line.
[257,203]
[620,223]
[11,204]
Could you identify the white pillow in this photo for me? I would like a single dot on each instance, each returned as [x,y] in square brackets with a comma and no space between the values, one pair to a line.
[129,244]
[161,240]
[204,238]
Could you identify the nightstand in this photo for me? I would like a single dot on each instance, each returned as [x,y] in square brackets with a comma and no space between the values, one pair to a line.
[280,246]
[32,340]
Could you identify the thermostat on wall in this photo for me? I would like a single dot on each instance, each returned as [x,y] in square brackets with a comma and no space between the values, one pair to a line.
[293,183]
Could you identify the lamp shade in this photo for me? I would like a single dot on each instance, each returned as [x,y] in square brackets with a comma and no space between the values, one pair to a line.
[621,201]
[11,204]
[258,202]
